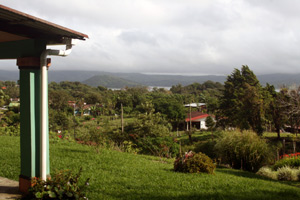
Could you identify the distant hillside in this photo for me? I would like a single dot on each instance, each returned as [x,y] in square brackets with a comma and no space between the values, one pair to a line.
[9,75]
[168,80]
[109,81]
[278,80]
[133,79]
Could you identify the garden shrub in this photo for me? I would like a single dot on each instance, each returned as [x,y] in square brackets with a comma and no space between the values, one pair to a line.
[243,150]
[194,163]
[293,162]
[267,172]
[63,185]
[287,174]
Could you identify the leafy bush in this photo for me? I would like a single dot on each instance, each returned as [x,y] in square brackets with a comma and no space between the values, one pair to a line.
[208,148]
[244,150]
[267,172]
[129,147]
[293,162]
[194,163]
[87,117]
[63,185]
[158,146]
[287,174]
[10,130]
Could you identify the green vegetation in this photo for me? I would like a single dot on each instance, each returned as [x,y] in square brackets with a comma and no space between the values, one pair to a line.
[62,185]
[242,102]
[116,175]
[138,121]
[293,162]
[194,163]
[243,150]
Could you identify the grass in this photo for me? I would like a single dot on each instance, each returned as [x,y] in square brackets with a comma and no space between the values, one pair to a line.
[282,135]
[116,175]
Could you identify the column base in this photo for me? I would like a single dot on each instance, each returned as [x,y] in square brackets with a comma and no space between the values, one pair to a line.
[24,184]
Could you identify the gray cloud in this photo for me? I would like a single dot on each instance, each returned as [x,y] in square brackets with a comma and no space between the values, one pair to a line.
[134,36]
[175,36]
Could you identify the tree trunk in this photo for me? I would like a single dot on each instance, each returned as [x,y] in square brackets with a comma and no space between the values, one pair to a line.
[278,133]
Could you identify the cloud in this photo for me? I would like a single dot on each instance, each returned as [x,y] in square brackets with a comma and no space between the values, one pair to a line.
[175,36]
[132,37]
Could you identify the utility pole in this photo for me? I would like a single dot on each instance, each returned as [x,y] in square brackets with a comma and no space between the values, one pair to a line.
[190,128]
[122,120]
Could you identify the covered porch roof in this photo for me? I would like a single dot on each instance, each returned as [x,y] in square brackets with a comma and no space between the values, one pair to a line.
[25,38]
[16,25]
[23,35]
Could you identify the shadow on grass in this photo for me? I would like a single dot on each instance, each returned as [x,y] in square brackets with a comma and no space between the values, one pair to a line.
[74,150]
[167,193]
[241,173]
[246,174]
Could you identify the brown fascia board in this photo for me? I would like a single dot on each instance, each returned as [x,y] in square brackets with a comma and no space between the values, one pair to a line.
[19,23]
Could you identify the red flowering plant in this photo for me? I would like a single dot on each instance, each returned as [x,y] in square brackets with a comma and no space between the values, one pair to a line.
[292,155]
[290,160]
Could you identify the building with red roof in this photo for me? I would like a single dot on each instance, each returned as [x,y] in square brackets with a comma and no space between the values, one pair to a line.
[198,120]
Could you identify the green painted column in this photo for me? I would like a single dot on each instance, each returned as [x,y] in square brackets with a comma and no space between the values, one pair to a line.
[30,106]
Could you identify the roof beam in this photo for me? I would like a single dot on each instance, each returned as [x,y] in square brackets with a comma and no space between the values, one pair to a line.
[22,48]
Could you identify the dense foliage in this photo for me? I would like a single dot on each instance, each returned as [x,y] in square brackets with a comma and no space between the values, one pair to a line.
[143,121]
[242,105]
[194,163]
[293,162]
[62,185]
[244,150]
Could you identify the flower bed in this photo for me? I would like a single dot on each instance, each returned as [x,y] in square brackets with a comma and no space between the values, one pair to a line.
[292,155]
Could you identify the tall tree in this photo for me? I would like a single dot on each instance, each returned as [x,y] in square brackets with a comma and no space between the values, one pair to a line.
[275,113]
[242,104]
[290,104]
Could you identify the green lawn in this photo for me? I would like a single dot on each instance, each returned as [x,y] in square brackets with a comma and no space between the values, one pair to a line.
[116,175]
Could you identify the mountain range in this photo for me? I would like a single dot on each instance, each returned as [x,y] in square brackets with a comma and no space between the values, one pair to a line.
[119,80]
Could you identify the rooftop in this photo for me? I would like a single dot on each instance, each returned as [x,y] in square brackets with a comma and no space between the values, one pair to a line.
[16,25]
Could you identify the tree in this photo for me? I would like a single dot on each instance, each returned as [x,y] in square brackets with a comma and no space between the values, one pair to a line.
[58,100]
[170,107]
[275,108]
[151,124]
[3,98]
[210,123]
[242,104]
[290,103]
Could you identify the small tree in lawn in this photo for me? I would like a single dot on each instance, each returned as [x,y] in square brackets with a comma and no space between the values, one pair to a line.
[210,124]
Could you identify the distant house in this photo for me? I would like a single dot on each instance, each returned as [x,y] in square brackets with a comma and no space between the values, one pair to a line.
[198,120]
[195,105]
[199,106]
[84,109]
[15,100]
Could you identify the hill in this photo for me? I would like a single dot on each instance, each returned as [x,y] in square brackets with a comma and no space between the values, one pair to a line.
[9,75]
[109,81]
[133,79]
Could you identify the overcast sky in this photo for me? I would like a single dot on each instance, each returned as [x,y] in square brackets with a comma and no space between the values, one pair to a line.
[175,36]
